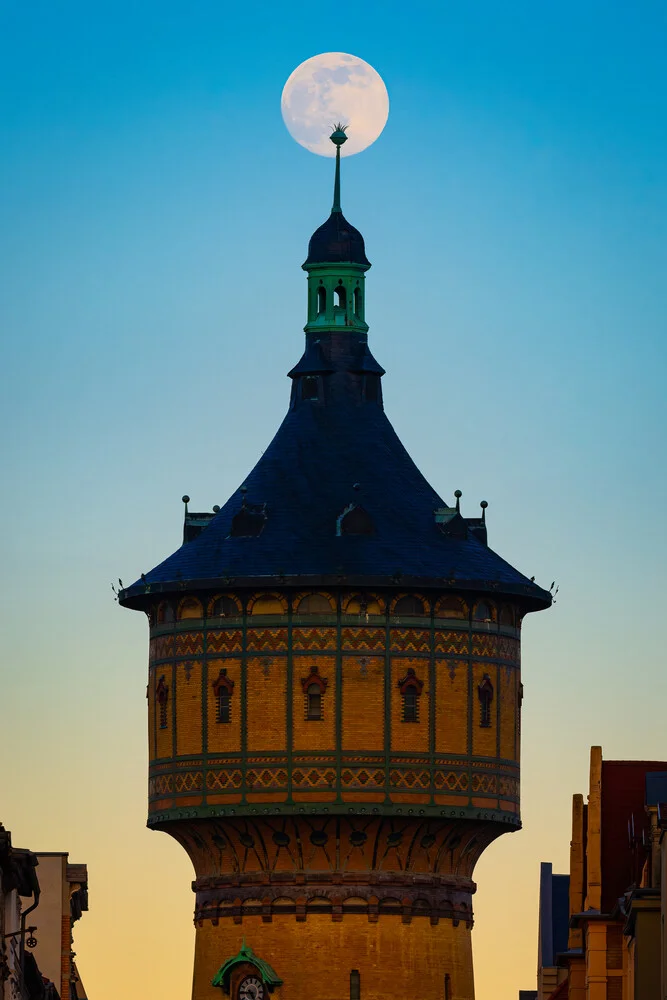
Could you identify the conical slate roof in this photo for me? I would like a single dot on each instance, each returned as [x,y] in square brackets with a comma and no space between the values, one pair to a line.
[328,457]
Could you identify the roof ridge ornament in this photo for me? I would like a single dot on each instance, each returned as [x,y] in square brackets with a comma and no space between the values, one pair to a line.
[338,137]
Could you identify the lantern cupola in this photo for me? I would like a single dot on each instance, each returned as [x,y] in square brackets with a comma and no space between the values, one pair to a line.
[336,265]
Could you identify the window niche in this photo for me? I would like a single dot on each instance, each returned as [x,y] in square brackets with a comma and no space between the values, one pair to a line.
[409,606]
[358,303]
[410,687]
[314,687]
[485,694]
[355,985]
[483,612]
[223,688]
[224,607]
[321,300]
[314,604]
[162,699]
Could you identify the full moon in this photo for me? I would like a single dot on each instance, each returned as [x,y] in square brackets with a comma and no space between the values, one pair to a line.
[335,87]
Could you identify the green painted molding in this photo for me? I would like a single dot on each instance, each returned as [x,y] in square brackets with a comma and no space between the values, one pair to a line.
[246,954]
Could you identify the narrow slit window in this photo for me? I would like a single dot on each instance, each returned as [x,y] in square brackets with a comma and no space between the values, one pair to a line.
[314,702]
[355,985]
[357,303]
[224,706]
[485,692]
[162,694]
[410,706]
[321,300]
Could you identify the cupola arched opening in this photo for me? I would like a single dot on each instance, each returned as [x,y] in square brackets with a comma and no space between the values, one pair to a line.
[358,301]
[321,300]
[340,296]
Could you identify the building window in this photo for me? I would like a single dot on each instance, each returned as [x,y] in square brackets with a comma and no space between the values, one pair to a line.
[162,697]
[483,612]
[223,688]
[451,607]
[357,302]
[190,608]
[409,606]
[506,615]
[313,687]
[355,985]
[321,300]
[224,607]
[448,986]
[314,604]
[166,614]
[354,521]
[372,392]
[411,688]
[314,706]
[309,387]
[485,692]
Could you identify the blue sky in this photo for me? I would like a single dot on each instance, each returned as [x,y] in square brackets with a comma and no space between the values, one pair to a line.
[154,213]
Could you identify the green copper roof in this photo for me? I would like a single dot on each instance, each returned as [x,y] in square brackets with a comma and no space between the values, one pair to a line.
[246,954]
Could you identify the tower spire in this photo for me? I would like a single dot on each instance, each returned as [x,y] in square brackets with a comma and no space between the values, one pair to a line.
[338,137]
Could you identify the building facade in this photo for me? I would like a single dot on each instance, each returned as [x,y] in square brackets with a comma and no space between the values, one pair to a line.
[616,914]
[334,691]
[41,897]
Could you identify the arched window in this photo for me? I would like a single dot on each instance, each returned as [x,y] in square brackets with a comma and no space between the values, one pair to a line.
[355,985]
[506,615]
[357,302]
[223,688]
[483,612]
[166,613]
[409,605]
[314,604]
[485,692]
[309,387]
[363,604]
[314,707]
[162,698]
[224,607]
[321,300]
[267,604]
[448,986]
[411,688]
[314,687]
[190,608]
[340,299]
[451,607]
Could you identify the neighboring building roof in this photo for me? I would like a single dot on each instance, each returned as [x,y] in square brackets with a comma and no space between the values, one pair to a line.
[623,795]
[246,954]
[336,242]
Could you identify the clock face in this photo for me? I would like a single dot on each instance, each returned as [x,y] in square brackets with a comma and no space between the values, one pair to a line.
[251,988]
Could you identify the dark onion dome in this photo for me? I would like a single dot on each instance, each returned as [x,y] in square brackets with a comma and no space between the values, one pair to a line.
[336,242]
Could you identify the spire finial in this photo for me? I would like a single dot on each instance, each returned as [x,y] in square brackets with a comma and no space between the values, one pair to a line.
[338,137]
